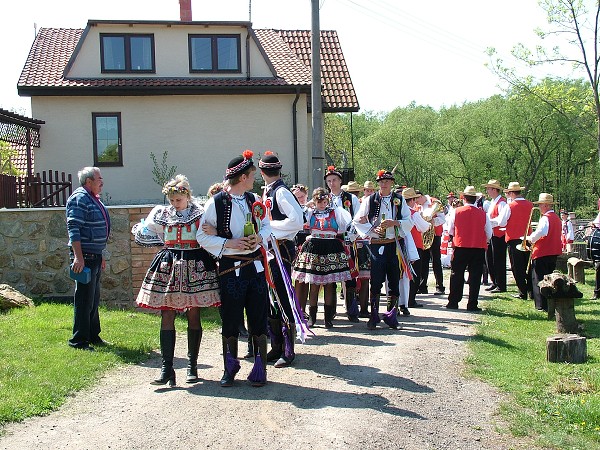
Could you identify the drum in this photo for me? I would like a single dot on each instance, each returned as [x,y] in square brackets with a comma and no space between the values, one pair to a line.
[593,245]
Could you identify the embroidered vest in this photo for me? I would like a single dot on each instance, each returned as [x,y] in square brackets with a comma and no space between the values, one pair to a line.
[223,206]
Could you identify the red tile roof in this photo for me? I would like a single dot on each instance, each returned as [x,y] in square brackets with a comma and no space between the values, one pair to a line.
[287,51]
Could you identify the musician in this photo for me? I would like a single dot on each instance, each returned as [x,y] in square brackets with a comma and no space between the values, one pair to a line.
[546,246]
[567,234]
[450,203]
[369,223]
[432,253]
[341,199]
[470,229]
[517,227]
[286,219]
[496,252]
[241,266]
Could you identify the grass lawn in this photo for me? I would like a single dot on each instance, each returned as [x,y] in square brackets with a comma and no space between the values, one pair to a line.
[557,404]
[38,370]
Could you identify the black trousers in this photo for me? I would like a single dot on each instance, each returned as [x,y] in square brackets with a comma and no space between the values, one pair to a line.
[597,285]
[539,268]
[496,261]
[434,255]
[384,266]
[463,259]
[518,264]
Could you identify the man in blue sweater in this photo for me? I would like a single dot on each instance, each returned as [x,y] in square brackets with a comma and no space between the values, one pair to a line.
[88,225]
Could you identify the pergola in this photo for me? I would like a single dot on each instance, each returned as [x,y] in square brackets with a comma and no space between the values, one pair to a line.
[20,130]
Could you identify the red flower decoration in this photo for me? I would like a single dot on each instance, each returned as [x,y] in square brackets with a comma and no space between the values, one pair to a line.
[380,173]
[248,154]
[268,152]
[268,203]
[330,168]
[347,203]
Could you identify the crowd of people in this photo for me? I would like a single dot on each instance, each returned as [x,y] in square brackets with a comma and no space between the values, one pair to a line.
[266,257]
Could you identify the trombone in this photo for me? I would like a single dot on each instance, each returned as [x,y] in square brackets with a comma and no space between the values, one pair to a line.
[525,246]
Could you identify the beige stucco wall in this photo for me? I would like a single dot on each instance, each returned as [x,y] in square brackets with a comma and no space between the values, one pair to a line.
[171,51]
[201,133]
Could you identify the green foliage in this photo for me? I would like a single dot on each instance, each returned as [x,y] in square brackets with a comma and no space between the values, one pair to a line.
[556,404]
[161,173]
[110,154]
[6,155]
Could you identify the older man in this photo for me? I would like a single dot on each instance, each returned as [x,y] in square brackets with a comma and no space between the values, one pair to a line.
[497,213]
[546,246]
[88,225]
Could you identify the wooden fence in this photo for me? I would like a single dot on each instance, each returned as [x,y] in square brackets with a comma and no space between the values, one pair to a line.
[38,191]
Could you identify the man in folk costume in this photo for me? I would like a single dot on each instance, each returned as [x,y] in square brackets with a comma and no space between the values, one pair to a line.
[286,219]
[546,246]
[420,225]
[240,246]
[497,212]
[517,227]
[339,198]
[567,235]
[384,217]
[470,230]
[434,252]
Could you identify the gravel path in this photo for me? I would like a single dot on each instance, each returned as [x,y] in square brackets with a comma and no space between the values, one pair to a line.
[349,388]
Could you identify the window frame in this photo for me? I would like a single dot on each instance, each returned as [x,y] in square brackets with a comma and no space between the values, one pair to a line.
[127,49]
[97,163]
[215,53]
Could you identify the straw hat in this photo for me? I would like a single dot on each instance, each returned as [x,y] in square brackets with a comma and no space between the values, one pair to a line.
[353,186]
[493,184]
[470,190]
[514,186]
[409,193]
[344,187]
[546,199]
[369,185]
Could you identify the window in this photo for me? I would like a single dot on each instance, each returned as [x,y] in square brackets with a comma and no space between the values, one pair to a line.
[106,128]
[133,53]
[214,53]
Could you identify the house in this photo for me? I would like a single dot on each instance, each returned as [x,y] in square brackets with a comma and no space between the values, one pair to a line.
[115,92]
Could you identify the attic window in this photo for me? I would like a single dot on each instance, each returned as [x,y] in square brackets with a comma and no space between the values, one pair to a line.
[133,53]
[215,53]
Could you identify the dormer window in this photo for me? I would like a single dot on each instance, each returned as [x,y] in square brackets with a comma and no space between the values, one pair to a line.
[215,53]
[127,53]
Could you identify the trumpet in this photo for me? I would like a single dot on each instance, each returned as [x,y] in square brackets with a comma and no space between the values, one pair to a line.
[525,246]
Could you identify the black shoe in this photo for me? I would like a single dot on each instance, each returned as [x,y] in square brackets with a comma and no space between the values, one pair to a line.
[497,290]
[491,287]
[353,319]
[452,305]
[415,305]
[404,310]
[474,308]
[101,342]
[167,375]
[364,314]
[226,379]
[439,292]
[519,296]
[283,362]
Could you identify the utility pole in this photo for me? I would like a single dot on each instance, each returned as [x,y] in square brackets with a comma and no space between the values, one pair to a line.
[315,100]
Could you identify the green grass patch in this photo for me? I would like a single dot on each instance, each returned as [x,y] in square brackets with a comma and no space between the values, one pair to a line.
[38,370]
[556,404]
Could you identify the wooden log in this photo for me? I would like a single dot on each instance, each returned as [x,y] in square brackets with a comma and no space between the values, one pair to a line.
[569,348]
[576,269]
[564,310]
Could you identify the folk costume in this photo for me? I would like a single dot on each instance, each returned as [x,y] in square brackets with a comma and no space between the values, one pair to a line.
[181,276]
[546,248]
[516,228]
[470,230]
[568,235]
[385,250]
[496,252]
[286,219]
[242,277]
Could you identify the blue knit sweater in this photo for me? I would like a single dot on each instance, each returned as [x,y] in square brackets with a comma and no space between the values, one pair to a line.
[86,221]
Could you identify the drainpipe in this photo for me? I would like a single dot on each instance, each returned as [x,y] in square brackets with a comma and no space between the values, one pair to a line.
[247,54]
[295,135]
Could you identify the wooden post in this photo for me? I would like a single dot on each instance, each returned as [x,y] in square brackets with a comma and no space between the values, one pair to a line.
[570,348]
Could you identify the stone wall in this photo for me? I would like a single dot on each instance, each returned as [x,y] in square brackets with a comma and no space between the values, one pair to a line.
[34,256]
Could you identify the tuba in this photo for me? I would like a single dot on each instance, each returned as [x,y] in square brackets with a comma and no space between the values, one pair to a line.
[429,234]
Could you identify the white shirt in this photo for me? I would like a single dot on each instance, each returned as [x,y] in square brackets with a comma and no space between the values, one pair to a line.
[294,222]
[541,230]
[503,213]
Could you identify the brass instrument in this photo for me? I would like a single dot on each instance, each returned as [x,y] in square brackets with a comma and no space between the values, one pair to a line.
[429,234]
[524,246]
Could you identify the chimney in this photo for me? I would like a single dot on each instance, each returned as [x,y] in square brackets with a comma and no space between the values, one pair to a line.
[185,10]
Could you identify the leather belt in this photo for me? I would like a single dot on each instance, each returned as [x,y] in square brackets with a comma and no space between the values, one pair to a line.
[382,241]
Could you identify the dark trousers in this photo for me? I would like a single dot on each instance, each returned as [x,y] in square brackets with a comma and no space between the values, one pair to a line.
[382,266]
[86,321]
[597,285]
[539,268]
[463,259]
[416,281]
[434,255]
[247,290]
[288,253]
[496,261]
[518,264]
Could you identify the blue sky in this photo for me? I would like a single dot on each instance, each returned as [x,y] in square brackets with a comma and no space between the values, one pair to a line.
[431,52]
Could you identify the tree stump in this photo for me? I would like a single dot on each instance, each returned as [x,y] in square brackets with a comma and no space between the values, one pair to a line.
[561,291]
[576,269]
[570,348]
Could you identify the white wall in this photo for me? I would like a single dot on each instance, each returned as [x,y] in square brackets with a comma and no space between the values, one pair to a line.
[201,133]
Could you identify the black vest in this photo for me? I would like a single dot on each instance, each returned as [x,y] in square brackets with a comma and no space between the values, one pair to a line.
[375,206]
[276,213]
[223,208]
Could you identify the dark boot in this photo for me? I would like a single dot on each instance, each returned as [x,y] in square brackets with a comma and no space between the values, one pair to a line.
[276,339]
[363,298]
[312,314]
[258,375]
[194,339]
[167,350]
[287,354]
[351,304]
[329,311]
[230,362]
[374,319]
[250,353]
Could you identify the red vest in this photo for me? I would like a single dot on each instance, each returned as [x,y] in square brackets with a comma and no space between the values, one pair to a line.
[469,227]
[550,244]
[416,234]
[520,211]
[496,230]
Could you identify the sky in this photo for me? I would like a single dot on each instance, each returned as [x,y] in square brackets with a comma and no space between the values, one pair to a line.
[431,52]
